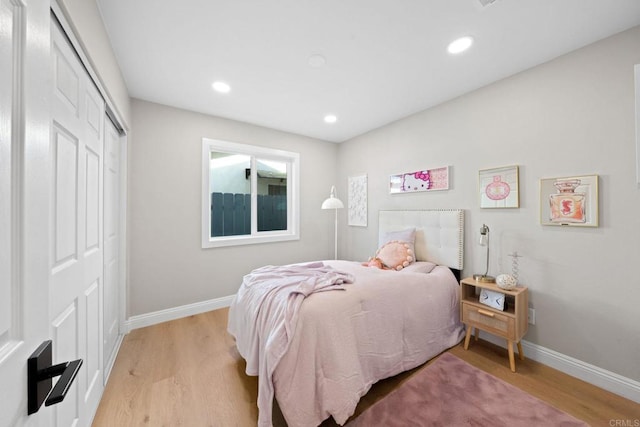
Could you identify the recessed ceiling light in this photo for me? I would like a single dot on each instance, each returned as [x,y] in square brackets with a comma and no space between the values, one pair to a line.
[460,45]
[330,118]
[221,87]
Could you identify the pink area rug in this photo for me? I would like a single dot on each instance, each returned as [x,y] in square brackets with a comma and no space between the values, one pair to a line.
[451,392]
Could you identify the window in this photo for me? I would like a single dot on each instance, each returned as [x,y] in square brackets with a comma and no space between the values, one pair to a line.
[250,194]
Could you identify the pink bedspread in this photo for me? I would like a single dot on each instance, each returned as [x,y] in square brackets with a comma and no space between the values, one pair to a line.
[263,317]
[385,323]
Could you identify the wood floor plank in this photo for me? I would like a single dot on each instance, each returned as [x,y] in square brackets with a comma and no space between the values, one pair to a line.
[188,372]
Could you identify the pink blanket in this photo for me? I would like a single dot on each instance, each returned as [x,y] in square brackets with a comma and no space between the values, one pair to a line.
[263,318]
[385,323]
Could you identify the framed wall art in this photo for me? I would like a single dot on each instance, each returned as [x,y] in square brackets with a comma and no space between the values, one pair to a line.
[357,201]
[499,187]
[569,201]
[423,180]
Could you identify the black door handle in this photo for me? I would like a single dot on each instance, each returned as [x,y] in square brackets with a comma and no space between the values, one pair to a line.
[39,374]
[67,372]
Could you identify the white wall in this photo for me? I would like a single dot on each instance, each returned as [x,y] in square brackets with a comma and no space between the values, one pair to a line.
[168,267]
[571,116]
[86,22]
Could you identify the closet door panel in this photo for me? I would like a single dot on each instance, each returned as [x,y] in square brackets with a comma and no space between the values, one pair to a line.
[77,241]
[112,232]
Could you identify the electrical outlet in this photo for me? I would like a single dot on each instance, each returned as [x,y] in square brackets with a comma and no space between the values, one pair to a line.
[532,316]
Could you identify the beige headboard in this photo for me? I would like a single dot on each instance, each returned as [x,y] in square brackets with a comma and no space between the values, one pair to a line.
[439,233]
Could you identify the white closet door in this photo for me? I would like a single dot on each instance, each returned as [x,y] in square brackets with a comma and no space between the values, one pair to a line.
[112,233]
[76,323]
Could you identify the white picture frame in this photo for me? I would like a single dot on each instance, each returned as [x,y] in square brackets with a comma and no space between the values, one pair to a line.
[499,187]
[434,179]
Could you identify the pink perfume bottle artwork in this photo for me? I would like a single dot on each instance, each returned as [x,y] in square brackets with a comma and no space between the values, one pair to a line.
[567,206]
[498,189]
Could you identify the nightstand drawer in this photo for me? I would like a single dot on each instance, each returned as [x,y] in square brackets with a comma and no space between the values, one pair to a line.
[488,320]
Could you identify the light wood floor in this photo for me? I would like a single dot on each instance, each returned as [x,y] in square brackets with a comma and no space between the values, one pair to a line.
[187,372]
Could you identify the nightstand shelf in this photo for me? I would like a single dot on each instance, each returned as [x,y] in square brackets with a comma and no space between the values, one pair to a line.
[511,324]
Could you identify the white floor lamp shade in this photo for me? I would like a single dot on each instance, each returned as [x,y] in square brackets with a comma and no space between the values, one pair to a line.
[334,203]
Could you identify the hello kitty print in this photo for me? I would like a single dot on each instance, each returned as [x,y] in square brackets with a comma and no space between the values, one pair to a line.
[423,180]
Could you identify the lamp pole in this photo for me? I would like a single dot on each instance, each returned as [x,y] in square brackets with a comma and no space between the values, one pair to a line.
[334,203]
[335,237]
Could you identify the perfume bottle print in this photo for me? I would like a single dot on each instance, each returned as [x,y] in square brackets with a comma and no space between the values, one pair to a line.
[566,205]
[498,189]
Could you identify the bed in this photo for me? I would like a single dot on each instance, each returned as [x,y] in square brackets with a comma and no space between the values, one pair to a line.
[319,334]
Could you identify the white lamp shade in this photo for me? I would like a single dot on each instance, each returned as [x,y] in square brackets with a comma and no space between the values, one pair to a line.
[484,235]
[332,202]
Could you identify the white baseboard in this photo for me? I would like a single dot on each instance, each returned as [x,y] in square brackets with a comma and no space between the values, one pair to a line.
[160,316]
[610,381]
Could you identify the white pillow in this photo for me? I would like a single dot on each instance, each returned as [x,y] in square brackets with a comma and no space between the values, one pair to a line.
[408,235]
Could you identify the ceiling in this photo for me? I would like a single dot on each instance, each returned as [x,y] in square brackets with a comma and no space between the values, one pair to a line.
[384,59]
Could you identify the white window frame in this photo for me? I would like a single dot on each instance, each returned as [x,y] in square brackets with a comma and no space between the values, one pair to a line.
[293,194]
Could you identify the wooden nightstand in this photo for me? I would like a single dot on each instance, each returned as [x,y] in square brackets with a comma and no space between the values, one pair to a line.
[511,324]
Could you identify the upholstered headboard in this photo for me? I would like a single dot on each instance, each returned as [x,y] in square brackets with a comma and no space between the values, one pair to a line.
[439,233]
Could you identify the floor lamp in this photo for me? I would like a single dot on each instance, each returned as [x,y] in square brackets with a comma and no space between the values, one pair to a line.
[334,203]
